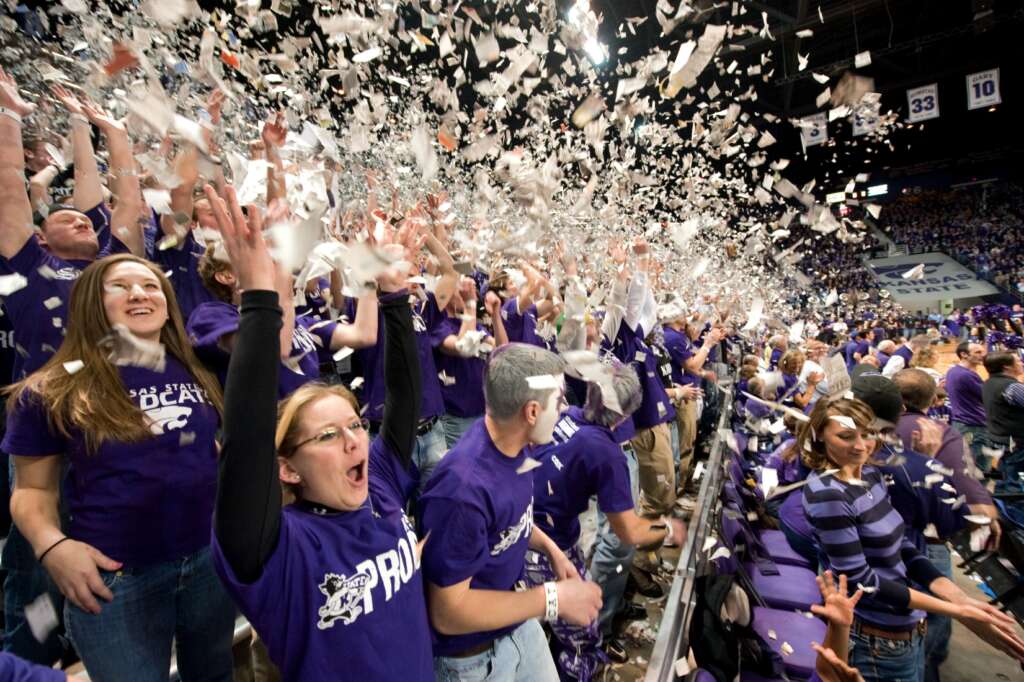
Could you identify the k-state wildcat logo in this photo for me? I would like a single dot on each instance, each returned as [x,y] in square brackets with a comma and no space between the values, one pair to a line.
[343,599]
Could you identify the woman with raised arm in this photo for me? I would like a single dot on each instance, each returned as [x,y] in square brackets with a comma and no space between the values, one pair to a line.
[332,583]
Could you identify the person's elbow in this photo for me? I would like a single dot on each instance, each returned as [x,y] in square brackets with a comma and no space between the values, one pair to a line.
[443,614]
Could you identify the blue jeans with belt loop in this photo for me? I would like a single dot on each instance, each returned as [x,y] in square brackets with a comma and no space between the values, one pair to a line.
[520,656]
[885,660]
[180,601]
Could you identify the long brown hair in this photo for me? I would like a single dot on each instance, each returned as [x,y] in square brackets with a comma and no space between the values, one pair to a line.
[810,442]
[93,400]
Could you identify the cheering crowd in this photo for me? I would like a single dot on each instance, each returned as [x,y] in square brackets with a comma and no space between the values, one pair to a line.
[398,451]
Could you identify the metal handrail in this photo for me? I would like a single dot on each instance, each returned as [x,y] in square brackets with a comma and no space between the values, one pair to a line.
[673,639]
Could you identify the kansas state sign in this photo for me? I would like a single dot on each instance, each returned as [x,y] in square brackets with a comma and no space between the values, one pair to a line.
[944,278]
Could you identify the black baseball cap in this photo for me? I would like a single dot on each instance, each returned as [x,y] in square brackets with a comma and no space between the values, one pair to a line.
[882,396]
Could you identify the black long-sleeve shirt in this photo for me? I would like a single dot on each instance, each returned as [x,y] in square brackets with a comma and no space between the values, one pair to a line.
[247,514]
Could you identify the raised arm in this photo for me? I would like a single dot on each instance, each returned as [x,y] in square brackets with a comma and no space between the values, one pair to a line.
[616,307]
[363,331]
[492,303]
[15,209]
[274,134]
[124,219]
[247,513]
[88,192]
[446,285]
[403,380]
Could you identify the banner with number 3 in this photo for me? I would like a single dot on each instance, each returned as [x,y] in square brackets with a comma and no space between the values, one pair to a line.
[923,103]
[983,89]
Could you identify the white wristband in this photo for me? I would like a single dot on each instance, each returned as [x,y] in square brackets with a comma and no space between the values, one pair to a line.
[668,531]
[10,113]
[550,602]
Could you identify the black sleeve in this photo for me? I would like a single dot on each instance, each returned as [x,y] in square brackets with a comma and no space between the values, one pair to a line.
[403,383]
[247,514]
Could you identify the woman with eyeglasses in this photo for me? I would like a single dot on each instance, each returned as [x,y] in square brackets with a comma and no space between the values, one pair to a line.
[332,582]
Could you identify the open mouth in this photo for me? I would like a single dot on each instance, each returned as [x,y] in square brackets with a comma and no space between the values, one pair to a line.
[357,474]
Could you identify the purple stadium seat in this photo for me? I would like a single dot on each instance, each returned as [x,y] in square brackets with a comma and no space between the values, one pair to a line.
[778,548]
[792,588]
[794,629]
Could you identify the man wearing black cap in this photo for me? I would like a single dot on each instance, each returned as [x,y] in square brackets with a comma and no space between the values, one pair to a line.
[920,491]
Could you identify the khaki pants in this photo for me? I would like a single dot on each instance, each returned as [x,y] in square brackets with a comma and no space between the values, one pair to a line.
[686,419]
[653,449]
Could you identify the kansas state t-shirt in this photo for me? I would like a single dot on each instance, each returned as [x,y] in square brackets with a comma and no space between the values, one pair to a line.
[342,595]
[479,513]
[139,503]
[583,460]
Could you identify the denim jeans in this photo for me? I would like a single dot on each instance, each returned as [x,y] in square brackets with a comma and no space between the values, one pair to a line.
[977,437]
[179,601]
[454,427]
[428,451]
[24,582]
[883,660]
[940,628]
[520,656]
[612,558]
[1012,467]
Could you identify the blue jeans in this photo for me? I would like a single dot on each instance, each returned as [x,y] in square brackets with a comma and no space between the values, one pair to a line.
[1012,467]
[520,656]
[179,601]
[612,558]
[977,437]
[428,451]
[940,628]
[454,427]
[883,660]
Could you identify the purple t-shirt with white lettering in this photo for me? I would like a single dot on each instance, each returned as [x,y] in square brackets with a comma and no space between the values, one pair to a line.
[212,321]
[655,408]
[139,503]
[583,460]
[963,386]
[38,311]
[479,513]
[461,379]
[426,316]
[181,262]
[342,594]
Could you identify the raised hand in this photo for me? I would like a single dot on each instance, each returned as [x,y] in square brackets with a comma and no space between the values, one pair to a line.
[275,131]
[10,97]
[214,105]
[101,119]
[838,608]
[243,240]
[927,439]
[67,99]
[75,568]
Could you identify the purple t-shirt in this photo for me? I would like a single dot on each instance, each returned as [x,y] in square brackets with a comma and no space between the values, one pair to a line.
[655,408]
[182,264]
[963,386]
[461,379]
[14,669]
[426,316]
[583,460]
[521,327]
[680,349]
[951,454]
[212,321]
[139,503]
[479,513]
[39,310]
[342,594]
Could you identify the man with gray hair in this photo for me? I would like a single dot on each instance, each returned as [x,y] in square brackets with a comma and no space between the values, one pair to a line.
[584,461]
[477,511]
[901,357]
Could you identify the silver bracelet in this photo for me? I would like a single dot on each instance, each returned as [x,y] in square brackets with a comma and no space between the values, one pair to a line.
[10,113]
[550,602]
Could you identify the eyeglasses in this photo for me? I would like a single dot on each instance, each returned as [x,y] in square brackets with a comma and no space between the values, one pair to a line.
[333,433]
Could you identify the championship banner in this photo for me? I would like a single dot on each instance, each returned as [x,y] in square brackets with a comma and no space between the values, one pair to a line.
[983,89]
[942,278]
[923,103]
[813,130]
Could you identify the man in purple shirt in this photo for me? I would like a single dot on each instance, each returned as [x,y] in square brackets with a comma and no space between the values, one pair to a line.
[963,386]
[477,511]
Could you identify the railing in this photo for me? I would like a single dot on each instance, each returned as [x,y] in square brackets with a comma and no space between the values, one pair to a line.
[673,641]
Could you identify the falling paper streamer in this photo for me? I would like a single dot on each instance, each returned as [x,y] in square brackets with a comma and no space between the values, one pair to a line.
[73,366]
[915,273]
[720,553]
[367,55]
[11,283]
[41,617]
[528,465]
[754,316]
[843,420]
[544,382]
[125,349]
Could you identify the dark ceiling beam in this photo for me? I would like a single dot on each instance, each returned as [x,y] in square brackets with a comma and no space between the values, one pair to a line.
[787,97]
[773,12]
